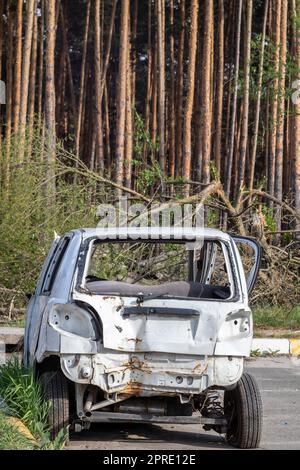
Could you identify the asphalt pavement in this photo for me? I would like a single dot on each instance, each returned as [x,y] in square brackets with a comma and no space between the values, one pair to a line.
[279,382]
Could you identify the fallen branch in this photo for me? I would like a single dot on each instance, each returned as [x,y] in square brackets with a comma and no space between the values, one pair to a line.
[284,205]
[232,212]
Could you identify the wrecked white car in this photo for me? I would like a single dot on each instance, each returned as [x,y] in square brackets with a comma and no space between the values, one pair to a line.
[137,325]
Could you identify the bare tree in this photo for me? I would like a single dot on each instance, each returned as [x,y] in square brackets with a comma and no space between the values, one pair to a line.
[128,118]
[149,77]
[172,96]
[98,101]
[121,99]
[32,84]
[82,79]
[9,74]
[18,64]
[161,81]
[179,90]
[50,84]
[108,49]
[207,93]
[258,100]
[281,114]
[187,139]
[245,116]
[296,108]
[234,104]
[30,6]
[219,86]
[41,63]
[274,100]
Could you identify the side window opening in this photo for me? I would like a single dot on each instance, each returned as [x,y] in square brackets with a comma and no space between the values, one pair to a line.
[217,275]
[54,265]
[250,254]
[212,270]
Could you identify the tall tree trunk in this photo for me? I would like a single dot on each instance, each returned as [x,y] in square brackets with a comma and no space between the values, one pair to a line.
[149,80]
[281,114]
[50,87]
[1,36]
[172,96]
[258,99]
[98,102]
[9,80]
[220,86]
[60,86]
[30,5]
[274,98]
[197,157]
[93,149]
[133,54]
[229,46]
[154,94]
[121,93]
[287,161]
[245,116]
[296,108]
[128,119]
[206,101]
[41,65]
[234,104]
[18,65]
[82,80]
[1,59]
[69,65]
[32,84]
[108,48]
[161,82]
[187,135]
[179,89]
[107,132]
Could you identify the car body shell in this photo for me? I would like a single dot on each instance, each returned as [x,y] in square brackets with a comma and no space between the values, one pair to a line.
[199,345]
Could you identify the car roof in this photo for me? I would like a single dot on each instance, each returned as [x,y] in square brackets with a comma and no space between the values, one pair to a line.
[153,233]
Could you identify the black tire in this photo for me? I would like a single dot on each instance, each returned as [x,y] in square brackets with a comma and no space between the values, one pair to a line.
[243,408]
[55,386]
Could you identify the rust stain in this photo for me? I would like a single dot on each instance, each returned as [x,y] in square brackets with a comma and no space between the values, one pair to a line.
[135,364]
[132,388]
[198,369]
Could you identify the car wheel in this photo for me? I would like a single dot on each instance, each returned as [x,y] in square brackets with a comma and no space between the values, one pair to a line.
[243,409]
[55,386]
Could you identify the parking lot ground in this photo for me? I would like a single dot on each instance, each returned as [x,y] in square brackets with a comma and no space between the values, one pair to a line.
[279,382]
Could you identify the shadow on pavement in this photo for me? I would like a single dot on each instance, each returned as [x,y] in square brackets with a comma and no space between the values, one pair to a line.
[138,435]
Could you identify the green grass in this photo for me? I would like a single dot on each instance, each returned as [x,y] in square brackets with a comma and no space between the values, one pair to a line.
[277,317]
[22,397]
[269,353]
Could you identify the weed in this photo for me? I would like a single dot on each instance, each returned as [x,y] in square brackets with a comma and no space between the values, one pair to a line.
[22,395]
